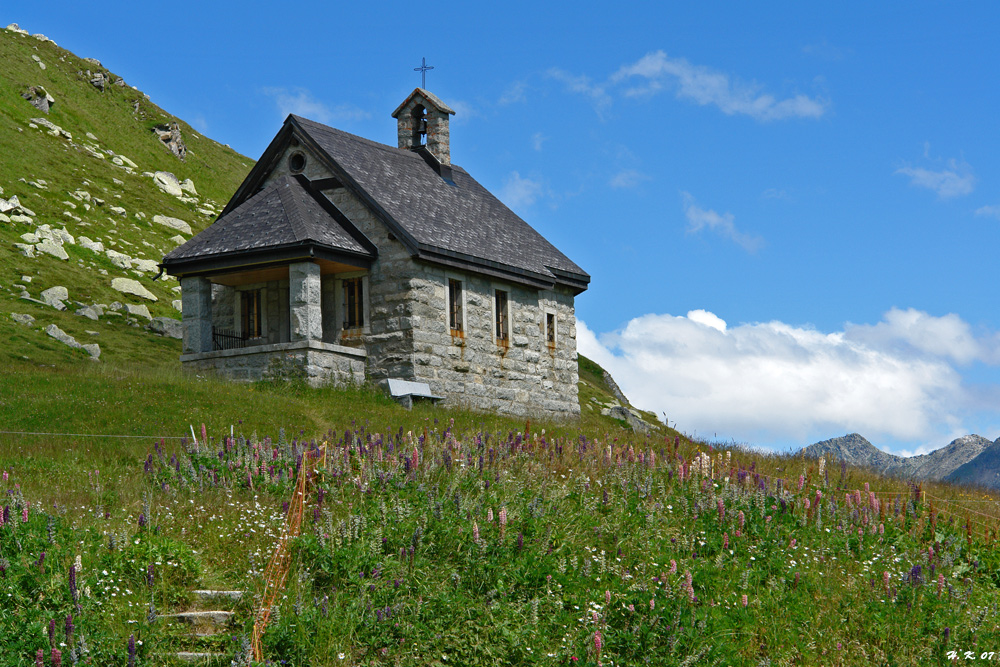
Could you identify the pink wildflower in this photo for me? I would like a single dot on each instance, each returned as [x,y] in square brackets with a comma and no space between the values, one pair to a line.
[866,487]
[598,643]
[721,506]
[489,515]
[673,566]
[607,598]
[881,529]
[741,521]
[725,540]
[24,515]
[652,604]
[940,584]
[744,600]
[802,481]
[475,532]
[930,554]
[807,504]
[503,521]
[792,544]
[885,581]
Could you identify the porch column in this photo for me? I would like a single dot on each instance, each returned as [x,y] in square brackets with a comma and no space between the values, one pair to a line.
[196,304]
[305,312]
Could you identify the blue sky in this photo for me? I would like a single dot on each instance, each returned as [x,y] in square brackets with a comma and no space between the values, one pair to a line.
[791,213]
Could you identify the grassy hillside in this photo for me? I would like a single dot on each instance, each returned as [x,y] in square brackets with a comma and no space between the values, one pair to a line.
[49,175]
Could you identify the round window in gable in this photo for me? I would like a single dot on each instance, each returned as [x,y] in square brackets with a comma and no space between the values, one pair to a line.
[296,163]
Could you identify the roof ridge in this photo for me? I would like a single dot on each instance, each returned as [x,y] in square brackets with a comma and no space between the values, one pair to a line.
[369,142]
[290,207]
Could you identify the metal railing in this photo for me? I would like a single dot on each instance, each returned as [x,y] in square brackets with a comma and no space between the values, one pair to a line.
[227,339]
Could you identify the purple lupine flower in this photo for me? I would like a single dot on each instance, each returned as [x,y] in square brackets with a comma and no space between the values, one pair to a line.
[72,583]
[69,630]
[52,633]
[947,634]
[150,575]
[40,658]
[56,658]
[142,520]
[131,650]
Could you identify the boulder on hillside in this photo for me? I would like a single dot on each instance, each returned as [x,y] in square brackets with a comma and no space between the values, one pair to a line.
[168,183]
[133,287]
[39,98]
[98,80]
[170,135]
[172,223]
[166,326]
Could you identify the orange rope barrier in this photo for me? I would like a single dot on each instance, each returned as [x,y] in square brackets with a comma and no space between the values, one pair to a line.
[276,574]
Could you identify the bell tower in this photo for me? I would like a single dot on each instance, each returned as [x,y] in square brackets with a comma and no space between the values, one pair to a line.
[422,120]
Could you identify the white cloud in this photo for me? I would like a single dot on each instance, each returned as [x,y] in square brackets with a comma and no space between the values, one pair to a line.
[773,381]
[954,180]
[913,332]
[520,192]
[706,86]
[722,224]
[583,85]
[627,178]
[537,139]
[301,102]
[989,211]
[515,92]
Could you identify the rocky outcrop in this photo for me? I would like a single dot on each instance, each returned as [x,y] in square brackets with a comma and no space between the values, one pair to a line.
[133,287]
[170,135]
[39,98]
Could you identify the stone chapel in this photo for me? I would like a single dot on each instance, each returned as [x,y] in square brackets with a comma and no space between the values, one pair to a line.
[343,260]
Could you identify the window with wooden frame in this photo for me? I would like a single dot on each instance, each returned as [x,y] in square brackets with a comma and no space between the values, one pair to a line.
[550,330]
[456,318]
[250,314]
[501,318]
[354,303]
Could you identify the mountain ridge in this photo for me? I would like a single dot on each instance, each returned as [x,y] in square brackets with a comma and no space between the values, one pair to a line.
[969,459]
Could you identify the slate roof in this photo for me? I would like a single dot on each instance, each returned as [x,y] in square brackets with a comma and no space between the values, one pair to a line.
[463,222]
[440,214]
[287,214]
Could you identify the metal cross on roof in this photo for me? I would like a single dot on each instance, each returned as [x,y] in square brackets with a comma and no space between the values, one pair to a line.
[423,71]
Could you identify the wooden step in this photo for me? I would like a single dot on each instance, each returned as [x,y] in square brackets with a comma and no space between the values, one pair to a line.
[202,622]
[190,656]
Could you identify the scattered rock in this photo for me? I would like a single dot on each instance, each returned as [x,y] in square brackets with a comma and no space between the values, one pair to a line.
[145,265]
[178,239]
[170,135]
[118,210]
[93,349]
[187,185]
[39,98]
[133,287]
[93,61]
[138,311]
[26,249]
[166,326]
[24,319]
[61,336]
[54,296]
[13,27]
[172,223]
[89,312]
[90,135]
[51,248]
[38,60]
[626,415]
[93,246]
[80,195]
[53,129]
[98,81]
[168,183]
[176,303]
[121,260]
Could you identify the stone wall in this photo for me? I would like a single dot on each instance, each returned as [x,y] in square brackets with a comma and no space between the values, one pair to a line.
[407,334]
[315,362]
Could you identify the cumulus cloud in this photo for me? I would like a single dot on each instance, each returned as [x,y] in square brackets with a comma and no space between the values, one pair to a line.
[954,180]
[520,192]
[723,224]
[706,86]
[774,381]
[537,139]
[301,102]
